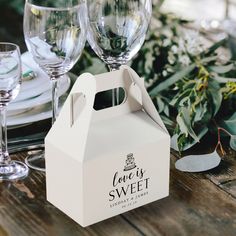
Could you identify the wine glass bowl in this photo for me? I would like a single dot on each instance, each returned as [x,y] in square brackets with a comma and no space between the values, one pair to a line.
[10,80]
[117,29]
[10,73]
[55,35]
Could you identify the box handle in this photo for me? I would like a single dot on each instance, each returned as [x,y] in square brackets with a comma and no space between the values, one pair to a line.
[81,100]
[113,80]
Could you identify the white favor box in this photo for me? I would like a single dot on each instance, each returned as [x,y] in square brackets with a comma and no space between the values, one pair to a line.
[102,163]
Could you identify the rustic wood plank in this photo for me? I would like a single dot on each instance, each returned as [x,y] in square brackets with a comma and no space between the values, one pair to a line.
[225,176]
[225,172]
[24,211]
[195,206]
[230,187]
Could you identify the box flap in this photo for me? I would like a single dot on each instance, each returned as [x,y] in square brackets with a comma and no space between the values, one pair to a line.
[70,130]
[147,103]
[77,113]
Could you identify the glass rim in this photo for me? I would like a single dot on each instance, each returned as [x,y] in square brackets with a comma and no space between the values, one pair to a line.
[10,44]
[11,47]
[27,2]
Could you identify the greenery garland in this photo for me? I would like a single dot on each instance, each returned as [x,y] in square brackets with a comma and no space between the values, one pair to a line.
[193,88]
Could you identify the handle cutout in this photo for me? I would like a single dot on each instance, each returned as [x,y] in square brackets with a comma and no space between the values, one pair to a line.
[104,99]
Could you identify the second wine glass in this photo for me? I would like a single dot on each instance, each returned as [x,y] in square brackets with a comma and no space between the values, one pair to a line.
[117,30]
[55,34]
[10,80]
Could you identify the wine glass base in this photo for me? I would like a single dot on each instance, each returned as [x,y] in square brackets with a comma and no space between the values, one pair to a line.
[13,170]
[36,161]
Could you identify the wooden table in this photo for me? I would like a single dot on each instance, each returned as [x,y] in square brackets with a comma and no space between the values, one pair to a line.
[199,204]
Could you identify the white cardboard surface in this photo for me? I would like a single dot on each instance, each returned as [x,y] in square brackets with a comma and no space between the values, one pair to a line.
[103,163]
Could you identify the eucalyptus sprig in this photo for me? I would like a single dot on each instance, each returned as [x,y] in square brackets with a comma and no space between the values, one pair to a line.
[188,82]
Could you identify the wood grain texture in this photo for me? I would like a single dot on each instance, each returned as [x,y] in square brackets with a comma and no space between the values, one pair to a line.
[24,211]
[225,175]
[196,206]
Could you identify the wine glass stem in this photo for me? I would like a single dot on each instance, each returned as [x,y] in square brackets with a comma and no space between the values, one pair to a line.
[115,92]
[226,9]
[55,98]
[4,155]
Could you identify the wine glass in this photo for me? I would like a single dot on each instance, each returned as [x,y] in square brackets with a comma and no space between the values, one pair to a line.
[117,30]
[55,34]
[10,79]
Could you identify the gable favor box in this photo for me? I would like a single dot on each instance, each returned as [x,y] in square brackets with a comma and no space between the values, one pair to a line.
[102,163]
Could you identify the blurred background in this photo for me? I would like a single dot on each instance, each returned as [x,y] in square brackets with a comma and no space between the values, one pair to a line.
[207,13]
[189,41]
[201,9]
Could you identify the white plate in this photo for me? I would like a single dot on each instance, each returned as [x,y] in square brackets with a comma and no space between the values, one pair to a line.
[16,112]
[38,113]
[36,86]
[17,126]
[39,100]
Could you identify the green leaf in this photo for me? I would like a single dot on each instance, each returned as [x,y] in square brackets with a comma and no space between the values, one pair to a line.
[214,47]
[209,59]
[170,125]
[222,69]
[217,99]
[160,104]
[171,80]
[184,100]
[200,111]
[216,96]
[185,143]
[179,97]
[233,142]
[168,121]
[167,111]
[181,142]
[184,121]
[197,163]
[230,124]
[182,126]
[223,80]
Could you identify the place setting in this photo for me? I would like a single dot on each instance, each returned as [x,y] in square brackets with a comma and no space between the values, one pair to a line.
[33,106]
[110,100]
[33,102]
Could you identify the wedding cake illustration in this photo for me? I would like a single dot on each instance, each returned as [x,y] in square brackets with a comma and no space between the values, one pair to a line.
[130,164]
